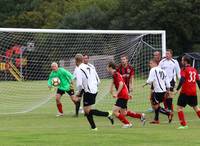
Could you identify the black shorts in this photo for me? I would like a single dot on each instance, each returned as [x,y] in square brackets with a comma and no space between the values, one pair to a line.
[184,100]
[81,93]
[172,85]
[61,92]
[89,99]
[157,97]
[121,103]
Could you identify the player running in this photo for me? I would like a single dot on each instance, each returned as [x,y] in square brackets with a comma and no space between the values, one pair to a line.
[188,93]
[120,107]
[66,84]
[88,80]
[160,82]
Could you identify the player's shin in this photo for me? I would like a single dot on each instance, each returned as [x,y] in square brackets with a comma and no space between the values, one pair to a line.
[122,118]
[99,113]
[169,102]
[77,107]
[133,114]
[91,120]
[181,118]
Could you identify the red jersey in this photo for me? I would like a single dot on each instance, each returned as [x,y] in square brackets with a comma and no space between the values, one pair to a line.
[191,76]
[126,73]
[124,92]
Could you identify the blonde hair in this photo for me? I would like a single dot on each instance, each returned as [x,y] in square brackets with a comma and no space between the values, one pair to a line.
[79,58]
[54,64]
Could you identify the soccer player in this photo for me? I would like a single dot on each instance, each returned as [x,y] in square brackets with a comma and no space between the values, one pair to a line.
[188,93]
[127,72]
[171,67]
[160,82]
[88,80]
[85,61]
[66,82]
[120,108]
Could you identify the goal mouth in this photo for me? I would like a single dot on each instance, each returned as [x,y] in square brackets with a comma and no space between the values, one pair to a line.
[26,56]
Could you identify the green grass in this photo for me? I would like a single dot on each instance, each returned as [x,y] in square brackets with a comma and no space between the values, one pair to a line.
[41,128]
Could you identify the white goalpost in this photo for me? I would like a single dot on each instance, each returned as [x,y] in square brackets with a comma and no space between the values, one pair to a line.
[26,55]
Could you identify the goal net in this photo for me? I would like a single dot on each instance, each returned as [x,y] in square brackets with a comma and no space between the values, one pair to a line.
[26,56]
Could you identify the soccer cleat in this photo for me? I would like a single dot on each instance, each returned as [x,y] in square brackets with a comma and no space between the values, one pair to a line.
[183,127]
[170,117]
[95,129]
[110,117]
[127,125]
[59,114]
[154,122]
[143,120]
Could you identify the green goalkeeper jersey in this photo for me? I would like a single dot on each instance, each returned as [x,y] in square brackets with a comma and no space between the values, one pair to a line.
[65,78]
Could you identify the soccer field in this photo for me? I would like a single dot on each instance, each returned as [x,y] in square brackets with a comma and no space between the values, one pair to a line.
[41,127]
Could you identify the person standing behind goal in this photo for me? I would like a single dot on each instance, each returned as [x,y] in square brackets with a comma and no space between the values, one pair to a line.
[171,67]
[87,80]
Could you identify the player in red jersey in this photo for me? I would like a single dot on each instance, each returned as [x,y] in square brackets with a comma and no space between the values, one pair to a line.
[120,107]
[127,72]
[188,93]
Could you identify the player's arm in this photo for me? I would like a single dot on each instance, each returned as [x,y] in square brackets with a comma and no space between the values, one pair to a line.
[182,80]
[49,81]
[79,81]
[198,80]
[121,84]
[67,74]
[177,68]
[150,78]
[111,88]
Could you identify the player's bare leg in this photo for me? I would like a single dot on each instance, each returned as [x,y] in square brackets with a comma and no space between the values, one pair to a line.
[197,110]
[59,105]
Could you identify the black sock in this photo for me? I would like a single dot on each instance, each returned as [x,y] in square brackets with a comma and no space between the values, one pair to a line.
[77,104]
[98,113]
[169,103]
[163,111]
[91,120]
[156,118]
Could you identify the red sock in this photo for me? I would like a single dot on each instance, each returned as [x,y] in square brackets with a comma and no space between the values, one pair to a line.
[165,103]
[133,114]
[122,118]
[198,113]
[59,106]
[182,118]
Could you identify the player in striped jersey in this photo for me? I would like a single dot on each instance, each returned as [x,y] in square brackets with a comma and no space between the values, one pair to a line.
[160,82]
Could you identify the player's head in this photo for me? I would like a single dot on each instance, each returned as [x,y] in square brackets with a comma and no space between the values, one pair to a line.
[185,60]
[85,58]
[54,66]
[153,63]
[124,60]
[111,67]
[169,54]
[157,56]
[78,59]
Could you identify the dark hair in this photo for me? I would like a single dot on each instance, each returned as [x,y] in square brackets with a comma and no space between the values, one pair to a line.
[153,60]
[112,65]
[86,55]
[186,59]
[170,50]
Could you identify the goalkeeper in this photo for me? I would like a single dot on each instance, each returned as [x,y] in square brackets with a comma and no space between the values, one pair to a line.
[66,85]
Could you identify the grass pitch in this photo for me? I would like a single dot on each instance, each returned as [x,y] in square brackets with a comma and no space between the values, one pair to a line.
[40,127]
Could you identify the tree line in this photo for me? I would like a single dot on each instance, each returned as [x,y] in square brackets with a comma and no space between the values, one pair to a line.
[180,18]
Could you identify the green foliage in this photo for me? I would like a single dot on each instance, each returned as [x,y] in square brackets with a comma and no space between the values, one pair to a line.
[179,18]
